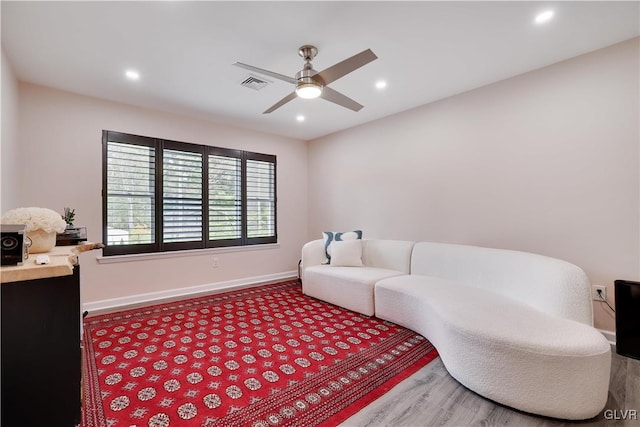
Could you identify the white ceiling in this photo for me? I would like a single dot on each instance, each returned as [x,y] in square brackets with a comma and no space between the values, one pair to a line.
[184,52]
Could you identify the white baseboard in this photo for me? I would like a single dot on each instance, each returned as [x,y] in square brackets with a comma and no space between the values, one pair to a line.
[609,335]
[114,304]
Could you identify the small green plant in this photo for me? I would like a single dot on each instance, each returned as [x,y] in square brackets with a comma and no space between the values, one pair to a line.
[69,216]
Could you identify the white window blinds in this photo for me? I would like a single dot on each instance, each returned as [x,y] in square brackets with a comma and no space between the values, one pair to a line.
[130,194]
[225,198]
[260,199]
[181,196]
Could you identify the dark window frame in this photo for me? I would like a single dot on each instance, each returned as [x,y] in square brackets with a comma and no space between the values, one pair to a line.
[159,246]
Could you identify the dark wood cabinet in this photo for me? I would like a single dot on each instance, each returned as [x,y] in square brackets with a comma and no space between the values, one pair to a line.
[41,366]
[628,318]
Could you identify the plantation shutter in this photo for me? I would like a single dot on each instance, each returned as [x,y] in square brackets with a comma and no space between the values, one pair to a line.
[261,198]
[225,198]
[160,195]
[182,182]
[129,192]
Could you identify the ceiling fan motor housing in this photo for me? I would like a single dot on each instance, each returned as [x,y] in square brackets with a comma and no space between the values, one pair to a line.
[307,87]
[305,76]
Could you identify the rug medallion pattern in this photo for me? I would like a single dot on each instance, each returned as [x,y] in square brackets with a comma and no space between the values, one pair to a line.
[260,356]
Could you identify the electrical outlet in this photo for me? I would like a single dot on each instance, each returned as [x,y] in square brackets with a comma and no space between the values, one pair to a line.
[216,263]
[603,292]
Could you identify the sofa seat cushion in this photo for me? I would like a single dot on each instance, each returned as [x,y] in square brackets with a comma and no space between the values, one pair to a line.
[501,348]
[348,287]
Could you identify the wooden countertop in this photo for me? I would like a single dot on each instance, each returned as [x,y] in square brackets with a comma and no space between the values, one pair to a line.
[62,259]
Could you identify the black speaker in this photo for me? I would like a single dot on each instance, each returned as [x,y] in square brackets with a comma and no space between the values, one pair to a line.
[628,318]
[14,247]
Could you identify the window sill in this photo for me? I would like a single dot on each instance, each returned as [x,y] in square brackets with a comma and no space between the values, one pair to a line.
[180,254]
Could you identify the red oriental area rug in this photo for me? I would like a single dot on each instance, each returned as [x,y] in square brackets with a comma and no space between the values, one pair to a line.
[259,356]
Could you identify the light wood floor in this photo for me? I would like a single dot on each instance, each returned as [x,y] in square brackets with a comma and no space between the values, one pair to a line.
[431,397]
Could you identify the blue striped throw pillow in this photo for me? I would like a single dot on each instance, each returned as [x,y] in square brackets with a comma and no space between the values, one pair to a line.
[332,236]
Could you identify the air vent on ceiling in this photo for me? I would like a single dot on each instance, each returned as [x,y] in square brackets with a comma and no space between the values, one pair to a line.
[253,82]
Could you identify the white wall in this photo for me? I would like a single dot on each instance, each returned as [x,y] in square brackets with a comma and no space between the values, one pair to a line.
[61,139]
[9,152]
[545,162]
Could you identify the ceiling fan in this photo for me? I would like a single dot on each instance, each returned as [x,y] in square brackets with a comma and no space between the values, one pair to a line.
[313,84]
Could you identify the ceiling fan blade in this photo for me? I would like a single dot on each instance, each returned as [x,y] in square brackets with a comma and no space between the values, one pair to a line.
[343,68]
[266,72]
[280,103]
[338,98]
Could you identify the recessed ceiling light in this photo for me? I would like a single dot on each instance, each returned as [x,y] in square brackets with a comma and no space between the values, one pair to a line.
[300,118]
[132,74]
[381,84]
[543,17]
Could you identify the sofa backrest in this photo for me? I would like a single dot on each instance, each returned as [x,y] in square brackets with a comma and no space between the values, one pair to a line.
[550,285]
[389,254]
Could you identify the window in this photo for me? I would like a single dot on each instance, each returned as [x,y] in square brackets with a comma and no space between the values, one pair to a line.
[260,199]
[161,195]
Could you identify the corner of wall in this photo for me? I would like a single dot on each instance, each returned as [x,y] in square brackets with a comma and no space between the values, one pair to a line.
[9,148]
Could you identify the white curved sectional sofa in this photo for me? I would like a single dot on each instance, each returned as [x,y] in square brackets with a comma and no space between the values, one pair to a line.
[514,327]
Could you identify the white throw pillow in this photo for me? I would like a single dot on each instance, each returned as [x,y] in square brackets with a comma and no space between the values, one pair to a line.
[346,253]
[335,236]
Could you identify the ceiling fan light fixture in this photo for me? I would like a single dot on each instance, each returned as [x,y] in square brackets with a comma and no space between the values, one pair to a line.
[308,90]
